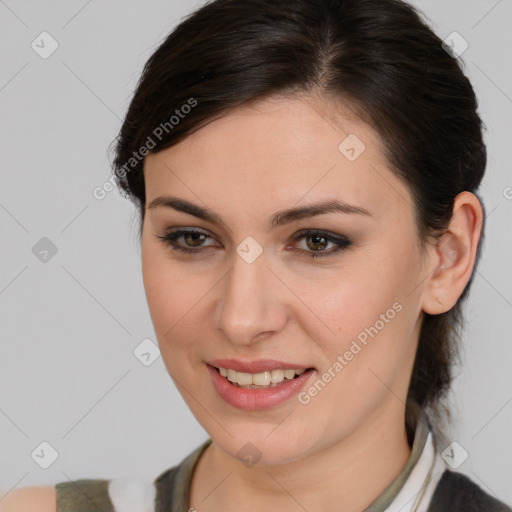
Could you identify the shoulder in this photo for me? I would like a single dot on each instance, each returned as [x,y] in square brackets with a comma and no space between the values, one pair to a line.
[107,495]
[84,494]
[457,492]
[29,499]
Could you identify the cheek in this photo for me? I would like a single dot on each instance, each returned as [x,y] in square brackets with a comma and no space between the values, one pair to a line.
[173,300]
[171,293]
[362,322]
[370,304]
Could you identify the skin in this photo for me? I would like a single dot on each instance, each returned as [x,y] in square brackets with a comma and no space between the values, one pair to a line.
[342,449]
[41,498]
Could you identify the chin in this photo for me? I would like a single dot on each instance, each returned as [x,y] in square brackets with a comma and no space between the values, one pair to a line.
[265,445]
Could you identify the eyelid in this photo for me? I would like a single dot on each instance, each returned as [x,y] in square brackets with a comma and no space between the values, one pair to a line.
[323,232]
[172,234]
[298,234]
[341,242]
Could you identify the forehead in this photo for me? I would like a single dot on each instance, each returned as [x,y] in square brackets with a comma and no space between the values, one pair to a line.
[280,149]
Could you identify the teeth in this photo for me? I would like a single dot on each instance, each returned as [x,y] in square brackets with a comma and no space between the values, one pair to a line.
[259,379]
[277,376]
[262,379]
[289,374]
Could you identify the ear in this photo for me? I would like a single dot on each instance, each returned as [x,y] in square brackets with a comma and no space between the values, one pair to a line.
[453,257]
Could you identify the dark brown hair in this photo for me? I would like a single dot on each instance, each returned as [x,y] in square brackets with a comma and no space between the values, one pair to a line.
[378,56]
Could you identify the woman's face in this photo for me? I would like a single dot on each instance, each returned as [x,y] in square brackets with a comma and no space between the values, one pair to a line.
[251,297]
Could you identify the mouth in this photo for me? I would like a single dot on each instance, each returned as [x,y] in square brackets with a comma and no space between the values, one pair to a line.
[261,380]
[269,384]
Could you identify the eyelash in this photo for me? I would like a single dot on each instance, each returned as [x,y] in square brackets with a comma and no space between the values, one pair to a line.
[341,242]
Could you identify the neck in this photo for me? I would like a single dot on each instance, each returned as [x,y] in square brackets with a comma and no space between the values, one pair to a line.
[348,475]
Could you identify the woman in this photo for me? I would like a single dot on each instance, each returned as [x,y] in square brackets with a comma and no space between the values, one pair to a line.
[306,175]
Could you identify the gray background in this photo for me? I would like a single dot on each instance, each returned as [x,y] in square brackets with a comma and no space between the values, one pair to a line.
[69,326]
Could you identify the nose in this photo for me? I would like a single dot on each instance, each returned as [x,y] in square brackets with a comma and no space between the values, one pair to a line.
[251,307]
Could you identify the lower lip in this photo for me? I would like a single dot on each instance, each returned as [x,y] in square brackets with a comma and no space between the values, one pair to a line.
[257,399]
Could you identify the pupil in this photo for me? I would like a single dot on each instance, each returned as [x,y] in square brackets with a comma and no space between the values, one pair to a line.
[316,240]
[196,237]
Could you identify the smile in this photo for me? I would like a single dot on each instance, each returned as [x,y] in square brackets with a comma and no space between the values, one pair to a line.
[261,380]
[263,384]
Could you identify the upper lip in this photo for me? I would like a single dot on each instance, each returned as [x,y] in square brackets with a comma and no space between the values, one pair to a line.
[261,365]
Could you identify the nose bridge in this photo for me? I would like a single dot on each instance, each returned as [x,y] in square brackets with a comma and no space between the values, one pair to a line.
[249,305]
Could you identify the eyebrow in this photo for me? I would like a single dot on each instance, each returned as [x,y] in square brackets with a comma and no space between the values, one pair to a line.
[279,218]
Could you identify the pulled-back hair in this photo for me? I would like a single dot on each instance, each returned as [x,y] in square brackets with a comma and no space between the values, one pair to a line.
[377,56]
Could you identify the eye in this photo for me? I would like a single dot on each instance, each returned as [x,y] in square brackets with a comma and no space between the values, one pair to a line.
[194,237]
[316,242]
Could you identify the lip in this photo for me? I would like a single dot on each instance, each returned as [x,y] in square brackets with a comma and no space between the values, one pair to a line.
[258,399]
[261,365]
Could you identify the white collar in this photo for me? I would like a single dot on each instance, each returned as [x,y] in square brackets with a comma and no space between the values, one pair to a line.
[427,470]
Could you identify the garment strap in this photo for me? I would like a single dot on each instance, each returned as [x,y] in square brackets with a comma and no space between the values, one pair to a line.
[84,495]
[173,486]
[165,484]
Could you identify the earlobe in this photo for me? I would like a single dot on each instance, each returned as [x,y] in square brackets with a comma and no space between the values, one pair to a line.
[454,255]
